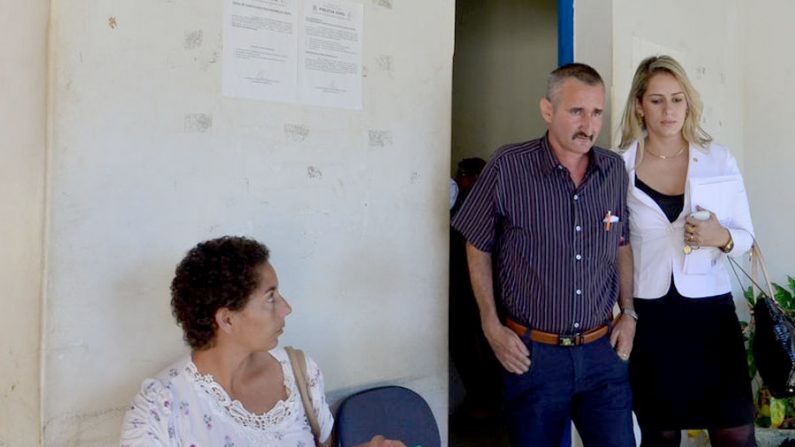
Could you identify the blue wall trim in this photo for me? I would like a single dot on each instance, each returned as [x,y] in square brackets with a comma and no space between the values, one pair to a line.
[565,32]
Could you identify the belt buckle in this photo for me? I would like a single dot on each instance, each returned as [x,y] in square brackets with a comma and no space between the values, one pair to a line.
[568,340]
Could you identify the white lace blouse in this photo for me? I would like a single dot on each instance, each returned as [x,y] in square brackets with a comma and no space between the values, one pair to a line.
[181,407]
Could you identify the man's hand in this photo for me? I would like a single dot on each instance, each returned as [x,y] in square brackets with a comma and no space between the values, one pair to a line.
[380,441]
[623,335]
[508,347]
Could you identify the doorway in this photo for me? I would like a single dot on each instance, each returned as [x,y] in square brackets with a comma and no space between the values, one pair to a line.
[503,53]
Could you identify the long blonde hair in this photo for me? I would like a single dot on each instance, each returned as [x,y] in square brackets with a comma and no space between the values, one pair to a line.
[632,126]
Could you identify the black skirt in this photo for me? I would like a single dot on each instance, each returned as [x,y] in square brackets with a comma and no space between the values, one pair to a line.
[688,368]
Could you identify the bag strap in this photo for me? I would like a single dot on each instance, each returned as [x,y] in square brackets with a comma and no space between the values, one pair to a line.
[298,363]
[757,263]
[758,260]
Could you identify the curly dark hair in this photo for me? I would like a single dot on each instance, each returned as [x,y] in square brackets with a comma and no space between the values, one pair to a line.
[214,274]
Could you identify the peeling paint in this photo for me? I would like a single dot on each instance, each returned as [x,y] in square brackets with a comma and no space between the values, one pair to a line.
[414,177]
[73,428]
[296,132]
[198,122]
[384,63]
[112,22]
[194,39]
[313,172]
[384,3]
[701,72]
[380,138]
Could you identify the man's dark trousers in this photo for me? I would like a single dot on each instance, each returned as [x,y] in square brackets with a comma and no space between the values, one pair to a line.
[587,384]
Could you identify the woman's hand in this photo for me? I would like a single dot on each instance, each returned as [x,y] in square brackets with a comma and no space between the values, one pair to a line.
[380,441]
[705,233]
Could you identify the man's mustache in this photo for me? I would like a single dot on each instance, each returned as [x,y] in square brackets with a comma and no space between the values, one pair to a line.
[582,134]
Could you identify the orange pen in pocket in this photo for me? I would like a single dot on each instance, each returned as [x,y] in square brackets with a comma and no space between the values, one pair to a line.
[609,220]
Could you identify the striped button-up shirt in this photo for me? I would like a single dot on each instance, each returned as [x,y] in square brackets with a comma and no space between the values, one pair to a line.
[556,253]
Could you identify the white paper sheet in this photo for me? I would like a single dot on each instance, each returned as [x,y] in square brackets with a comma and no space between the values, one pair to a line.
[260,50]
[330,46]
[718,195]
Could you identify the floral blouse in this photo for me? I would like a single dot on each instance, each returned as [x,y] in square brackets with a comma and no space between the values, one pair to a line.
[183,408]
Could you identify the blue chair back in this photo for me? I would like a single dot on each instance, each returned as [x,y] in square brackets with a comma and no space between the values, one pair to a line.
[392,411]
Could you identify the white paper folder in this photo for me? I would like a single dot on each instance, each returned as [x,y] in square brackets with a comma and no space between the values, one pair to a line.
[719,195]
[716,194]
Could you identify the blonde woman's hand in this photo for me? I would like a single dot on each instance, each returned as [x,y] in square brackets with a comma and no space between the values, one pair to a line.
[705,233]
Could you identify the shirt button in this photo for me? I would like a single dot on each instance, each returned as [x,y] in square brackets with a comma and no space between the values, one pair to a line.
[576,196]
[578,292]
[578,257]
[576,325]
[578,228]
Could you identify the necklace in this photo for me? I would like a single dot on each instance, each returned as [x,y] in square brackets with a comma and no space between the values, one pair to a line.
[666,157]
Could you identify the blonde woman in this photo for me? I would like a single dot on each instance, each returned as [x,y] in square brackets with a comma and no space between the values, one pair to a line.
[688,367]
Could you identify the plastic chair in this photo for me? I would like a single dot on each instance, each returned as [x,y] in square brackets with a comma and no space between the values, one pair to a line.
[392,411]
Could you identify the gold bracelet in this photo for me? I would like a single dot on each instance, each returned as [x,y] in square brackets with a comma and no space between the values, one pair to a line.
[729,245]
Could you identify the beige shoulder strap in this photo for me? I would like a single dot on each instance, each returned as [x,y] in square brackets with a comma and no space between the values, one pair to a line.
[758,262]
[298,363]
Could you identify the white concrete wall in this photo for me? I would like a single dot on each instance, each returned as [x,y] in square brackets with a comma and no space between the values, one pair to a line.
[503,53]
[769,97]
[352,204]
[593,36]
[23,74]
[706,38]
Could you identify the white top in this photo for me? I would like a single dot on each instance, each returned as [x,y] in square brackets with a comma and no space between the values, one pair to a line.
[657,243]
[181,407]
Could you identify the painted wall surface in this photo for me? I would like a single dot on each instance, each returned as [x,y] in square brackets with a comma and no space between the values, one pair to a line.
[705,37]
[503,53]
[593,38]
[23,74]
[149,158]
[769,97]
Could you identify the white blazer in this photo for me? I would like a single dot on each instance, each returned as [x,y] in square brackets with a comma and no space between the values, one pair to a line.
[657,243]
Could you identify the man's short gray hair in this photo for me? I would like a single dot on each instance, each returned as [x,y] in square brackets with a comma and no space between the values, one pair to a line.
[581,72]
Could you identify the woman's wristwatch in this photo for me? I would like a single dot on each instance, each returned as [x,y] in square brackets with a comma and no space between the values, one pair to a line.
[630,312]
[729,245]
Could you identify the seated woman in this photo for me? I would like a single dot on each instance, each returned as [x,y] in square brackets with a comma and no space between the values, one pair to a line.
[235,388]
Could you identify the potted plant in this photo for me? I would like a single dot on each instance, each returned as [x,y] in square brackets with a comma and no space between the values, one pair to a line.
[775,418]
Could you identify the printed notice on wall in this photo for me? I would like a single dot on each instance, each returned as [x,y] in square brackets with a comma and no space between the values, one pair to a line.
[330,62]
[260,50]
[296,51]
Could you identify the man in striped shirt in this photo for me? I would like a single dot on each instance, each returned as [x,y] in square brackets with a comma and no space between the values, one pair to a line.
[549,216]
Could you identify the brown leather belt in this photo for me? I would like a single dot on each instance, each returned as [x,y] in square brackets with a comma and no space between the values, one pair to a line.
[549,338]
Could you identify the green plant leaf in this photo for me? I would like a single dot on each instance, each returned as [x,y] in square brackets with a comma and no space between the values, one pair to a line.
[749,355]
[778,410]
[749,296]
[783,297]
[791,282]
